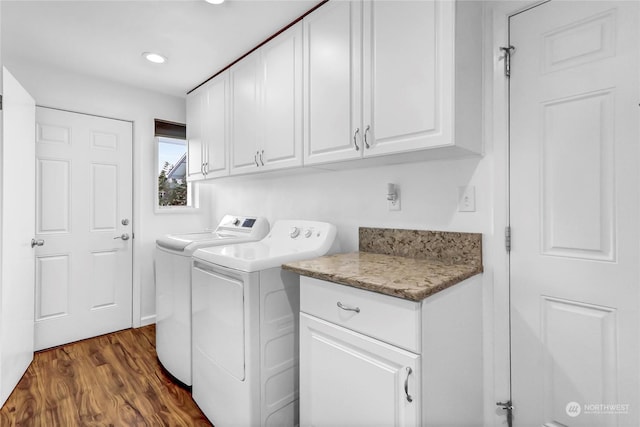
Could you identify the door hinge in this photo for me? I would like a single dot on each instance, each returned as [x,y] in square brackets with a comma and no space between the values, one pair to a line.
[507,238]
[508,408]
[508,51]
[0,102]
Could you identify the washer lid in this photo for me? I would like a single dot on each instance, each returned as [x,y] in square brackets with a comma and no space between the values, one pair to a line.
[288,241]
[231,229]
[178,242]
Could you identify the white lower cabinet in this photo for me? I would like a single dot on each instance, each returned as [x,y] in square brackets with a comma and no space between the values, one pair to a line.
[349,379]
[370,359]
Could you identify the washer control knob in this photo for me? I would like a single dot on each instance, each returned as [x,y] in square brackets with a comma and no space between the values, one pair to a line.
[236,222]
[308,233]
[295,232]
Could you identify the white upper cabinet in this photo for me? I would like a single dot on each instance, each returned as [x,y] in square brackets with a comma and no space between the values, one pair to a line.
[216,127]
[332,90]
[266,105]
[407,80]
[389,81]
[245,98]
[195,162]
[208,129]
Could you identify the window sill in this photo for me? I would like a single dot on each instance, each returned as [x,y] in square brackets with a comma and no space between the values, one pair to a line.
[181,210]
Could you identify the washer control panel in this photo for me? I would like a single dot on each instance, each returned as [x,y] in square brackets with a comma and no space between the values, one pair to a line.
[243,224]
[302,232]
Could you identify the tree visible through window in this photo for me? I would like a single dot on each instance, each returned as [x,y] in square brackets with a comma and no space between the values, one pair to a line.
[173,189]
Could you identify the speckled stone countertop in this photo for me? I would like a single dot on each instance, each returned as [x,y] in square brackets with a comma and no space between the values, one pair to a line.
[409,264]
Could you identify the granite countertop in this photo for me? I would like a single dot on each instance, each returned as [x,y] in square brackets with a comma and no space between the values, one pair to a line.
[409,264]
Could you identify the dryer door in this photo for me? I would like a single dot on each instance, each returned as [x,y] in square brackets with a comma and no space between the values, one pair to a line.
[218,318]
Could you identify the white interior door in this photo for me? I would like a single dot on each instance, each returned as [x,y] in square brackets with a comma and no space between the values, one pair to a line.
[18,218]
[83,212]
[574,214]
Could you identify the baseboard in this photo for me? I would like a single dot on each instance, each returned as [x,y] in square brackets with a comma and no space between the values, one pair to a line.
[148,320]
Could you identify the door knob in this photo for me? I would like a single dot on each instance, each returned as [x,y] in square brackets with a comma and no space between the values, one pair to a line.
[38,242]
[124,236]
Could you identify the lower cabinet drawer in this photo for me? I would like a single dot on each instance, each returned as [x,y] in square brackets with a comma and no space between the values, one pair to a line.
[393,320]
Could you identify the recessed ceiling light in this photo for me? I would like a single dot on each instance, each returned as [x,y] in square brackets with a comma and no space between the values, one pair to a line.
[215,1]
[156,58]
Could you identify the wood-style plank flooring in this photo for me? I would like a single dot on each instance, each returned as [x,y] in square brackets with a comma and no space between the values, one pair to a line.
[111,380]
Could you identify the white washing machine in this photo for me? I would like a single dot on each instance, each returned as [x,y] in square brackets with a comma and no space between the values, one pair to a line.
[173,286]
[245,325]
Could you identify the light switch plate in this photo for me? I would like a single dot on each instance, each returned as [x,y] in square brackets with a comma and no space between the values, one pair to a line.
[467,198]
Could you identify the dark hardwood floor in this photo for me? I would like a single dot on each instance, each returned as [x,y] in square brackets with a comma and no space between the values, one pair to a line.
[111,380]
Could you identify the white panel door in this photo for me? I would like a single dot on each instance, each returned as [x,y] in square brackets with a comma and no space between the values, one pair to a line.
[349,379]
[83,212]
[574,215]
[18,211]
[332,83]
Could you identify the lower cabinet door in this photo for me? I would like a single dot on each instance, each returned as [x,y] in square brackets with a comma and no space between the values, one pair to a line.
[350,379]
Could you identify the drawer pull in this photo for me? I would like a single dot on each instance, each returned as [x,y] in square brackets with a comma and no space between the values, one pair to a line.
[406,385]
[344,307]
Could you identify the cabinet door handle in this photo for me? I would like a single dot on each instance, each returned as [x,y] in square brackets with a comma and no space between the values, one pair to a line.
[355,142]
[406,385]
[202,168]
[261,156]
[206,166]
[366,131]
[255,159]
[346,308]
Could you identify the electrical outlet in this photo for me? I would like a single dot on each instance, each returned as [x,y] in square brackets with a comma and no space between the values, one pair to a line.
[394,205]
[467,199]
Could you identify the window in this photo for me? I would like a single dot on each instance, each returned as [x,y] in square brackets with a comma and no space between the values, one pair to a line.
[172,190]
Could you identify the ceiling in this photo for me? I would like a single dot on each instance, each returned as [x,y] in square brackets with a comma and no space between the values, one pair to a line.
[106,39]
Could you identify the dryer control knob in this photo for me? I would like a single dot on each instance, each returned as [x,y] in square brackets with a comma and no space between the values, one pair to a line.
[308,233]
[236,221]
[295,232]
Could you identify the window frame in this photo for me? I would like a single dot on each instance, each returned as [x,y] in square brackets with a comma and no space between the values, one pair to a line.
[193,193]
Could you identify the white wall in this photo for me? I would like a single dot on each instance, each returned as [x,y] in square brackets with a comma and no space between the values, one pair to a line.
[60,89]
[357,197]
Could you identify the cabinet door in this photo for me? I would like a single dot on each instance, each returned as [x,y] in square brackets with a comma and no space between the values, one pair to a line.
[282,100]
[332,92]
[195,102]
[215,127]
[245,123]
[406,80]
[350,379]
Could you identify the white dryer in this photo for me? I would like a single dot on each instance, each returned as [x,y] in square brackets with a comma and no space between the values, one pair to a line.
[245,325]
[173,286]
